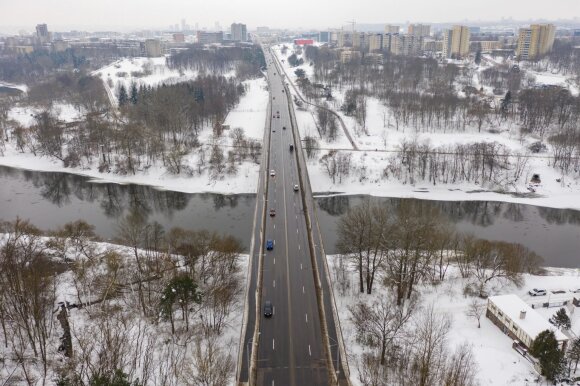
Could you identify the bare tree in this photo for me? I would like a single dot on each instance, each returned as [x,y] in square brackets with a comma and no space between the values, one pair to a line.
[476,310]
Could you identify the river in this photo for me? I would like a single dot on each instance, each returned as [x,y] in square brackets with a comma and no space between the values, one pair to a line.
[50,200]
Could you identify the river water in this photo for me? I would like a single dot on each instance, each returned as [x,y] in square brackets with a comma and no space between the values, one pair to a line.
[50,200]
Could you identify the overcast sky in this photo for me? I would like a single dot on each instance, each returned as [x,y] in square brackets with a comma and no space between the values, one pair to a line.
[130,14]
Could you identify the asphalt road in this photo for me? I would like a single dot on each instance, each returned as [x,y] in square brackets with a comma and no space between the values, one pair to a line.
[289,347]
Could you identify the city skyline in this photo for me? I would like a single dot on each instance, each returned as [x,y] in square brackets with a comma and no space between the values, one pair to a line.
[112,15]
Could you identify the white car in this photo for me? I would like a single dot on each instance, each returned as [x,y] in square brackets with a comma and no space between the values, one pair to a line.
[537,292]
[272,173]
[296,188]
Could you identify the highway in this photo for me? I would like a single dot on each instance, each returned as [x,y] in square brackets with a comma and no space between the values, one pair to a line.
[288,348]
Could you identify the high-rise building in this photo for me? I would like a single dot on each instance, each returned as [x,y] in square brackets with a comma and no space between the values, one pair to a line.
[152,48]
[456,42]
[42,33]
[345,39]
[360,41]
[392,29]
[324,37]
[407,45]
[375,42]
[239,32]
[419,30]
[535,41]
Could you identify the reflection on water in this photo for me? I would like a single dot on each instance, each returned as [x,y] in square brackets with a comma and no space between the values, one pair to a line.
[51,199]
[552,233]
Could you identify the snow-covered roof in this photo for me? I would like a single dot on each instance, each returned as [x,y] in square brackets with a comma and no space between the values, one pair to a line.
[532,324]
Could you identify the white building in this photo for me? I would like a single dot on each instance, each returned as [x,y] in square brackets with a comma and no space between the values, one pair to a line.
[520,321]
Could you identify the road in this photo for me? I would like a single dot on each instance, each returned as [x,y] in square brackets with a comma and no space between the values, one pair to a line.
[289,348]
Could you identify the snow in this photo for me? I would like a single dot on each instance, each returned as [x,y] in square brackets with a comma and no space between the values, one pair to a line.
[380,139]
[532,324]
[24,115]
[21,87]
[249,114]
[142,71]
[498,364]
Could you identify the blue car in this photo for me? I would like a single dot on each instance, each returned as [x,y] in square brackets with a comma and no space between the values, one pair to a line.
[269,245]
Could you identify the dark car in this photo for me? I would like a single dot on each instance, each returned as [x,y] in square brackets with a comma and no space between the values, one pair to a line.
[268,309]
[270,245]
[283,127]
[291,147]
[272,212]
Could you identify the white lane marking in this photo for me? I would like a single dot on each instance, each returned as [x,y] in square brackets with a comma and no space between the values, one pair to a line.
[303,289]
[298,246]
[274,283]
[300,265]
[309,352]
[273,310]
[296,231]
[274,261]
[274,226]
[306,318]
[274,346]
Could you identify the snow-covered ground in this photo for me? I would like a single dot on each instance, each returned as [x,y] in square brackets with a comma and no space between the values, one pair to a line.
[381,138]
[249,114]
[138,330]
[24,115]
[142,71]
[498,363]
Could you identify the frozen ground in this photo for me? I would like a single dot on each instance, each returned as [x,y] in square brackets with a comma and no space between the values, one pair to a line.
[498,363]
[249,114]
[381,138]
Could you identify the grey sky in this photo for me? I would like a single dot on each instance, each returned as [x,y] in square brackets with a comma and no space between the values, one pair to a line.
[129,14]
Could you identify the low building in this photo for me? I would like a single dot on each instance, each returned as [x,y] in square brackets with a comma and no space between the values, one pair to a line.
[303,42]
[178,38]
[487,46]
[520,321]
[209,37]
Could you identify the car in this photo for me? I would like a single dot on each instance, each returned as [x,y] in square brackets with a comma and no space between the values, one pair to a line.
[269,245]
[272,212]
[272,173]
[283,127]
[537,292]
[268,309]
[291,147]
[296,188]
[575,290]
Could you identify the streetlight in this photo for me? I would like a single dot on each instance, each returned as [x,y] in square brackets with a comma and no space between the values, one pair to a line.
[337,369]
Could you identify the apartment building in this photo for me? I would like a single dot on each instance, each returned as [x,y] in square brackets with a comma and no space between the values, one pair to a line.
[209,37]
[406,45]
[375,42]
[392,29]
[535,41]
[152,48]
[456,42]
[419,30]
[239,32]
[348,56]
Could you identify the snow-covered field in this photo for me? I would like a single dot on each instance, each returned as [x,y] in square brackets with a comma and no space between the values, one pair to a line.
[498,363]
[249,114]
[381,138]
